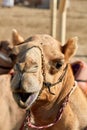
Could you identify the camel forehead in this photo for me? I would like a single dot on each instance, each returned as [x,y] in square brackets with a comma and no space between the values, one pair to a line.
[49,46]
[45,40]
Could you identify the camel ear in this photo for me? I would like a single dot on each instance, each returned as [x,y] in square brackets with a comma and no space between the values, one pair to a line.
[16,38]
[69,49]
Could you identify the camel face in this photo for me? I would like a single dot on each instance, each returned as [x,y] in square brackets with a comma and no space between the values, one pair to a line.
[40,60]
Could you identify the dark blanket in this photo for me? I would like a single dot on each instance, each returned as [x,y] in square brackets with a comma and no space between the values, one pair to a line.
[80,72]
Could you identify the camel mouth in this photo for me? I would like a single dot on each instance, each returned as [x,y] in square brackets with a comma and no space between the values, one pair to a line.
[25,100]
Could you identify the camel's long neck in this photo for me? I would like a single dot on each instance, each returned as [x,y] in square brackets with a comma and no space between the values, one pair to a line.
[43,114]
[12,116]
[46,113]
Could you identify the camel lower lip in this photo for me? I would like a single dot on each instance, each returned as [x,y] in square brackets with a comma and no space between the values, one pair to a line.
[25,100]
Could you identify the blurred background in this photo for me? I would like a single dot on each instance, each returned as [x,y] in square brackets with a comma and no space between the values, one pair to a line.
[31,17]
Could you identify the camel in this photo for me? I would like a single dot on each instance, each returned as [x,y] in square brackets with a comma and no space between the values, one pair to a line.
[11,115]
[9,110]
[43,93]
[34,3]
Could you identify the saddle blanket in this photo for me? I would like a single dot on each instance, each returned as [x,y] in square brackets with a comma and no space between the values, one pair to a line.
[80,72]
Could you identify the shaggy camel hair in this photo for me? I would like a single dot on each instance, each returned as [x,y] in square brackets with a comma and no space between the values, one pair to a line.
[42,86]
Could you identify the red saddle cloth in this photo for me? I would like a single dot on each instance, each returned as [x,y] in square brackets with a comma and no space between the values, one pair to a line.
[80,73]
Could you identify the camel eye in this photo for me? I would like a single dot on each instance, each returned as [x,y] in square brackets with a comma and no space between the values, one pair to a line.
[58,65]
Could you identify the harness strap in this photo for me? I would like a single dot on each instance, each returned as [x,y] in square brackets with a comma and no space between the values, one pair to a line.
[49,85]
[80,80]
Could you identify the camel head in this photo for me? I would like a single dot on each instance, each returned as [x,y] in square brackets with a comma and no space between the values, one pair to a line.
[40,70]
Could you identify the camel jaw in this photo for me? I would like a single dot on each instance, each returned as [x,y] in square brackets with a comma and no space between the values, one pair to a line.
[25,100]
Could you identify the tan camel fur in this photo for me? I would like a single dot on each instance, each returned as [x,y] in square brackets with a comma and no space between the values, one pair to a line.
[11,115]
[39,60]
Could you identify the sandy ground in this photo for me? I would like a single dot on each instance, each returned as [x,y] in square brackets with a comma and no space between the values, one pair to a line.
[30,21]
